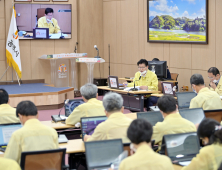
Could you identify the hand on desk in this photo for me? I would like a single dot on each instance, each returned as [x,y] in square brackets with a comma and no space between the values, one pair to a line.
[213,85]
[125,84]
[86,137]
[143,88]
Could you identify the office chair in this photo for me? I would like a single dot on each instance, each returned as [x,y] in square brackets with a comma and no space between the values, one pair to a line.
[40,13]
[47,159]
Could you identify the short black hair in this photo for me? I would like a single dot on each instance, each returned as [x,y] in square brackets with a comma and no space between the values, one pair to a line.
[197,79]
[167,104]
[26,108]
[214,71]
[207,129]
[142,61]
[48,10]
[140,130]
[3,96]
[156,59]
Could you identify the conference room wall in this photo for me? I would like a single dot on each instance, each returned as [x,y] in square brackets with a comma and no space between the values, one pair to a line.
[125,29]
[87,27]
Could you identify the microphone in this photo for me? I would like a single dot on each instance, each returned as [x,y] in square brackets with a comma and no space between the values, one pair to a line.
[95,46]
[61,37]
[135,89]
[57,118]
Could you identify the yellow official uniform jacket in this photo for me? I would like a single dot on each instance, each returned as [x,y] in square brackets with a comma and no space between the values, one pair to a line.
[209,158]
[206,99]
[8,164]
[8,114]
[146,159]
[33,136]
[113,128]
[149,80]
[219,88]
[42,23]
[172,124]
[92,108]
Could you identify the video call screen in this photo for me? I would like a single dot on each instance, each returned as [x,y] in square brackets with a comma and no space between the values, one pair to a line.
[30,17]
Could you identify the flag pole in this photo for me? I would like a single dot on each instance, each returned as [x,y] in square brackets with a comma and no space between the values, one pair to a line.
[18,79]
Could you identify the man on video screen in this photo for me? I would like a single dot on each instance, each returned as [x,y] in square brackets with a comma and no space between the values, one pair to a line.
[49,22]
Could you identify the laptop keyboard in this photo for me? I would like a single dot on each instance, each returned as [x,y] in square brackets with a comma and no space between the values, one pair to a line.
[3,149]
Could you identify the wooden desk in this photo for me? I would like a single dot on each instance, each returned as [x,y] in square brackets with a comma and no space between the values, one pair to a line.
[170,81]
[177,167]
[160,95]
[31,34]
[131,115]
[132,100]
[1,155]
[57,126]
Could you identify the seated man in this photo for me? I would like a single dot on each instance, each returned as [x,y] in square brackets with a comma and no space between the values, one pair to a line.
[215,80]
[92,107]
[49,22]
[140,132]
[8,164]
[146,79]
[7,113]
[33,136]
[173,123]
[117,123]
[206,99]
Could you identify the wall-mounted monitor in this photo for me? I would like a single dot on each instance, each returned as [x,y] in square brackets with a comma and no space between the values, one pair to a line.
[177,21]
[56,17]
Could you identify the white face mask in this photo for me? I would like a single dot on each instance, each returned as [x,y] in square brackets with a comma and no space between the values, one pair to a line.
[48,20]
[143,73]
[215,81]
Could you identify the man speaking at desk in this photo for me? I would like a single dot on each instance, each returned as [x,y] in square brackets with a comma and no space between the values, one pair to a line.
[146,79]
[49,22]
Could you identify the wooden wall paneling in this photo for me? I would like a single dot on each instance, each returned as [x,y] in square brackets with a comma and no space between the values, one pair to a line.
[2,70]
[24,21]
[110,25]
[142,38]
[129,70]
[2,49]
[99,70]
[34,13]
[204,56]
[2,29]
[118,33]
[218,34]
[2,9]
[166,53]
[26,54]
[130,39]
[204,74]
[41,69]
[180,55]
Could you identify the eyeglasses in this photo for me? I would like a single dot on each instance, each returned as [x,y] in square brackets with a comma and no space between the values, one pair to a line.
[211,77]
[141,67]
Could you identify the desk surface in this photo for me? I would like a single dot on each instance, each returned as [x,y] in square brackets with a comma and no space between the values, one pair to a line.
[1,155]
[58,125]
[171,81]
[31,34]
[160,95]
[126,92]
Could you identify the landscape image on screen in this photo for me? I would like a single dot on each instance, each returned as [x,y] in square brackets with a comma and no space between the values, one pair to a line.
[177,21]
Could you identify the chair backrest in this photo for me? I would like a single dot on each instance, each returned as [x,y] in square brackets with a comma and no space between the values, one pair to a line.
[174,76]
[214,114]
[160,87]
[47,159]
[40,13]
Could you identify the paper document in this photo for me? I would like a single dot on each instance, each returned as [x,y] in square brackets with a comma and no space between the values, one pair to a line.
[128,88]
[185,163]
[221,97]
[57,36]
[63,117]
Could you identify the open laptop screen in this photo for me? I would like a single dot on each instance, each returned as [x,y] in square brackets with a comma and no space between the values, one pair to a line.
[152,117]
[193,115]
[184,99]
[72,104]
[102,153]
[6,131]
[89,124]
[182,145]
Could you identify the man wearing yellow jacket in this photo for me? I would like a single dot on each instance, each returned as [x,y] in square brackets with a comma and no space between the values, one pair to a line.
[49,22]
[206,99]
[146,79]
[215,80]
[7,113]
[92,106]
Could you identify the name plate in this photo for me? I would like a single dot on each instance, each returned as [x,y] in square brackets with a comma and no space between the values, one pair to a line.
[90,60]
[69,55]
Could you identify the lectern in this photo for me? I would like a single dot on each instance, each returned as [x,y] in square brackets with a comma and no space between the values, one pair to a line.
[60,68]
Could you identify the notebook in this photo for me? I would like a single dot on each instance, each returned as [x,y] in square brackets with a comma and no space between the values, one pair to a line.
[153,117]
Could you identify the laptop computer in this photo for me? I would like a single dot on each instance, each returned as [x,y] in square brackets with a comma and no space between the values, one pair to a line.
[184,99]
[6,131]
[88,124]
[181,148]
[194,115]
[72,104]
[168,88]
[153,117]
[101,154]
[114,83]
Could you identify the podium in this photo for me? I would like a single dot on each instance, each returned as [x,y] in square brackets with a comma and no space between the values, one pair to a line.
[90,62]
[60,68]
